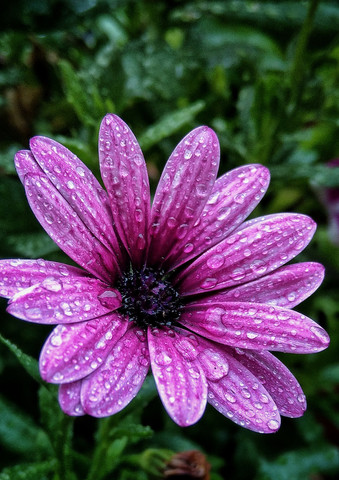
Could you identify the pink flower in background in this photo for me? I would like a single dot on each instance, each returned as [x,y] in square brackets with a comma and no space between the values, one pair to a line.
[330,197]
[185,286]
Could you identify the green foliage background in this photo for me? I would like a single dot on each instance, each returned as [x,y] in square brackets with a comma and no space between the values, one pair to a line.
[264,75]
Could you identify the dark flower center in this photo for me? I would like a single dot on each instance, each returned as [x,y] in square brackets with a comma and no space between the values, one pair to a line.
[148,298]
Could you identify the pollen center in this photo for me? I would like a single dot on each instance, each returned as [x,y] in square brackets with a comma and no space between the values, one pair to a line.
[148,298]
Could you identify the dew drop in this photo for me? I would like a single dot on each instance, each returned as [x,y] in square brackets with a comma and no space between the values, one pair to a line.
[273,424]
[215,262]
[208,283]
[188,247]
[163,359]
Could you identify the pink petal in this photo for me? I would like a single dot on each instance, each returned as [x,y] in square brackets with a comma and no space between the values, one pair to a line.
[67,229]
[254,250]
[72,352]
[124,173]
[17,274]
[69,399]
[233,198]
[242,398]
[277,379]
[78,186]
[255,326]
[183,190]
[25,164]
[180,380]
[64,300]
[113,385]
[286,287]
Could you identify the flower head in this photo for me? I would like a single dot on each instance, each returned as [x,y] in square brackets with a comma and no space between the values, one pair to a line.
[330,198]
[184,286]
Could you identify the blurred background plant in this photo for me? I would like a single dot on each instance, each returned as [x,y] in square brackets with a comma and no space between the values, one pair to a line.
[265,76]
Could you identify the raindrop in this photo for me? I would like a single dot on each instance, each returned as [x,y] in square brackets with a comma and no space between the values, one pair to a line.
[216,261]
[223,213]
[70,184]
[187,154]
[52,285]
[163,359]
[208,283]
[56,340]
[201,190]
[273,424]
[80,171]
[172,222]
[188,247]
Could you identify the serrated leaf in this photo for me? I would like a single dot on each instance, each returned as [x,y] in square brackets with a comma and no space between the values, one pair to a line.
[169,124]
[30,364]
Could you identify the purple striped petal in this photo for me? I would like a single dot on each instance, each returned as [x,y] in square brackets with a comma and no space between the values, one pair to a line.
[69,399]
[182,192]
[72,352]
[64,300]
[255,326]
[124,173]
[25,164]
[277,379]
[113,385]
[66,228]
[180,380]
[233,198]
[254,250]
[78,186]
[286,287]
[242,398]
[17,274]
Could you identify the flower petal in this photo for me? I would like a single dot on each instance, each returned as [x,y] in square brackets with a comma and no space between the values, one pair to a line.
[25,163]
[255,326]
[277,379]
[286,287]
[255,249]
[69,399]
[123,170]
[242,398]
[233,198]
[183,190]
[113,385]
[66,228]
[18,274]
[64,300]
[72,352]
[78,186]
[180,380]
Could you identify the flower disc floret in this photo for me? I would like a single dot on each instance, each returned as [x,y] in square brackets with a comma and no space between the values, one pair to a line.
[148,299]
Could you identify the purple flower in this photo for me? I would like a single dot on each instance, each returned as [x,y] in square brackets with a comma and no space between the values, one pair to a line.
[330,198]
[185,286]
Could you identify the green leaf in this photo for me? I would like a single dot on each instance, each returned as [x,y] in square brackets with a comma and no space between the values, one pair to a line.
[31,245]
[18,432]
[30,364]
[300,464]
[169,124]
[29,471]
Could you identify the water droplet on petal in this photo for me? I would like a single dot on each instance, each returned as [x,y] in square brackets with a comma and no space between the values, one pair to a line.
[163,359]
[273,424]
[215,262]
[208,283]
